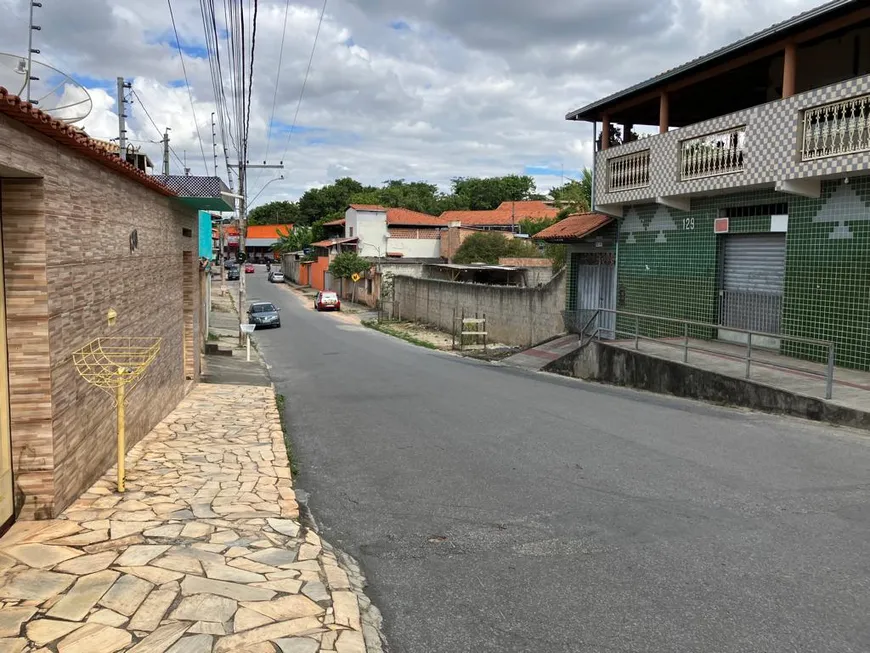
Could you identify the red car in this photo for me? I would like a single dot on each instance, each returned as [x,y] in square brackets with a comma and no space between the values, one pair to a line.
[249,268]
[327,300]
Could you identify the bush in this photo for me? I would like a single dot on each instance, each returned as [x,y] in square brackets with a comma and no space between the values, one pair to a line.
[490,246]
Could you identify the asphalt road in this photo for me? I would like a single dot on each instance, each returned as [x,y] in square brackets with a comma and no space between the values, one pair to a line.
[500,510]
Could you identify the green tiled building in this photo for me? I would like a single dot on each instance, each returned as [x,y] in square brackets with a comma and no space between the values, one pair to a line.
[749,210]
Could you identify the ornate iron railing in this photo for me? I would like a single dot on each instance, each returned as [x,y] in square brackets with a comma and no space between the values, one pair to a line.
[629,171]
[712,155]
[836,128]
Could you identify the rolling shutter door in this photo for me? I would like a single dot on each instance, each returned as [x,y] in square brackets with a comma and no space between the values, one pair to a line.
[755,263]
[753,276]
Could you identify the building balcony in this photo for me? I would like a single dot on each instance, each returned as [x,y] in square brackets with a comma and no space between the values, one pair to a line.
[790,144]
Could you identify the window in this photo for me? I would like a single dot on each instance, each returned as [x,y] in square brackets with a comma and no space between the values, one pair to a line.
[350,231]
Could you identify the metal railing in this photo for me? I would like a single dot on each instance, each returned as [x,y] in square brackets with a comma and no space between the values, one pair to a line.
[836,128]
[589,332]
[722,153]
[629,171]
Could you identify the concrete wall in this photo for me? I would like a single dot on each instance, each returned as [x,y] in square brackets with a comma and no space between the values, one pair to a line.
[601,362]
[291,268]
[416,247]
[515,316]
[371,229]
[67,261]
[539,270]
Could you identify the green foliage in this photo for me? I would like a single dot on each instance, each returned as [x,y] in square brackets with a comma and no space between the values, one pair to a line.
[330,202]
[532,226]
[280,212]
[347,264]
[558,255]
[490,246]
[575,196]
[479,194]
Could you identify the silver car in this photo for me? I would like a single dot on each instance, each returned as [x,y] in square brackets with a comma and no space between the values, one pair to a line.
[264,314]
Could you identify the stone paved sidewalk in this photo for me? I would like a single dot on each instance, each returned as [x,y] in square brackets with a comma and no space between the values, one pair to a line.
[204,553]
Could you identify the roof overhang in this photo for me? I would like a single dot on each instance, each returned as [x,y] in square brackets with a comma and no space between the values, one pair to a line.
[203,193]
[756,43]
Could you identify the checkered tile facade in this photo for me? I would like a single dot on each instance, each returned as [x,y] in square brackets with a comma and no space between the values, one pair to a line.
[193,186]
[773,145]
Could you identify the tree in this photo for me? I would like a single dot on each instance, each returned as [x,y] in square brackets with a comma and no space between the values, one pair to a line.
[490,246]
[280,212]
[574,196]
[479,194]
[347,264]
[329,202]
[532,226]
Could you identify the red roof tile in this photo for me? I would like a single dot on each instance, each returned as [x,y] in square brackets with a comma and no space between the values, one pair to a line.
[409,218]
[506,214]
[530,209]
[367,207]
[27,114]
[268,230]
[574,227]
[334,223]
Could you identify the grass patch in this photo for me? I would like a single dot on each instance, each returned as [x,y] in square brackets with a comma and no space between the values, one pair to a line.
[281,401]
[212,336]
[397,333]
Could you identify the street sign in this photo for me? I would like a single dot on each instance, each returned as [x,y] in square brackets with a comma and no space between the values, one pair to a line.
[355,277]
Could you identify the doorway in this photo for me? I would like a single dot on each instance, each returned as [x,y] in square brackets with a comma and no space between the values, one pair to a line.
[189,347]
[596,289]
[750,295]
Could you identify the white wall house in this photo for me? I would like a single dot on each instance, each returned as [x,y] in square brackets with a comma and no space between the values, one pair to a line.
[382,232]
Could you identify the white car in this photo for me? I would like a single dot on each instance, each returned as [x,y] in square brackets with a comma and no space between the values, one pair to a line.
[277,277]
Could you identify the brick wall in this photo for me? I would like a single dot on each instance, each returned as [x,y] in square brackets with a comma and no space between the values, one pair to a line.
[67,261]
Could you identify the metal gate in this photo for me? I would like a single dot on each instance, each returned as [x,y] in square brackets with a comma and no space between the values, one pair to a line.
[596,288]
[753,275]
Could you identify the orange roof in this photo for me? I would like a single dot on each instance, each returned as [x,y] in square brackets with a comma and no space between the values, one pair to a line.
[530,209]
[574,227]
[413,218]
[367,207]
[27,114]
[231,230]
[268,230]
[506,214]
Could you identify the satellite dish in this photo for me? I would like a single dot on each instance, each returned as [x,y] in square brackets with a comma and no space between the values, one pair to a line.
[55,92]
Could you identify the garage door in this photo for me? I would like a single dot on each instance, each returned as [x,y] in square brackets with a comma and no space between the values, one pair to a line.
[753,275]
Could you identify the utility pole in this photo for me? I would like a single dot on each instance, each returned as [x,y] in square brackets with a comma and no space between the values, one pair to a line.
[31,51]
[122,119]
[214,144]
[243,228]
[166,152]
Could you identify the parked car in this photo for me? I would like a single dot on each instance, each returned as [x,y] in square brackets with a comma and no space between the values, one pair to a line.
[327,300]
[249,268]
[276,277]
[264,314]
[233,273]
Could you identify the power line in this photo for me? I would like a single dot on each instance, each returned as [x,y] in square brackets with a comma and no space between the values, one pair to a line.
[142,104]
[305,79]
[187,83]
[251,77]
[277,81]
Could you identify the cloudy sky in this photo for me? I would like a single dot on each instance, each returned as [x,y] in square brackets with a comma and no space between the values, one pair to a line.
[413,89]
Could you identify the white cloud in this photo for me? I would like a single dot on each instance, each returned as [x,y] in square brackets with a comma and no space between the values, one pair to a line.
[430,90]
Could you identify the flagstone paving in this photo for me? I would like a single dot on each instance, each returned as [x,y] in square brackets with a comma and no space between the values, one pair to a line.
[204,552]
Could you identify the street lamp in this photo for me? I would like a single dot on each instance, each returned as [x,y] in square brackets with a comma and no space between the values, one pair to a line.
[264,187]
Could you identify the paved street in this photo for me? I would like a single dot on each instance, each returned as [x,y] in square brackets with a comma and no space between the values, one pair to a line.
[495,509]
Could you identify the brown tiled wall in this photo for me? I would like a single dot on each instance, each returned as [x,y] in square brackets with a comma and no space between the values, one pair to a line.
[68,261]
[414,232]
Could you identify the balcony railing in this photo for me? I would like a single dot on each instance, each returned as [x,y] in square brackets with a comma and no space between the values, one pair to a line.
[722,153]
[629,171]
[836,128]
